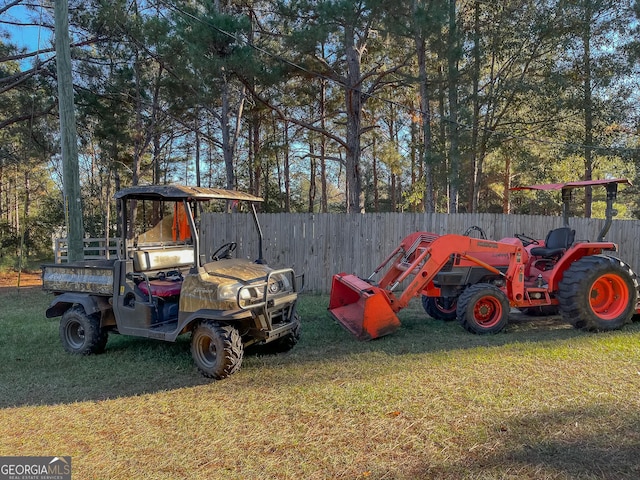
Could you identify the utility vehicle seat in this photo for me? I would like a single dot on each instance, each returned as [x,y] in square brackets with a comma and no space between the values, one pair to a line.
[161,288]
[556,243]
[153,260]
[162,258]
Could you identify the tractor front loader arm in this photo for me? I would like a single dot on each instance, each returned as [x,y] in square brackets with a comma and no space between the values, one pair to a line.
[368,310]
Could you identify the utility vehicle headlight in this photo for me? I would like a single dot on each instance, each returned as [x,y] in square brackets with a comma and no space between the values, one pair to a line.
[279,283]
[229,292]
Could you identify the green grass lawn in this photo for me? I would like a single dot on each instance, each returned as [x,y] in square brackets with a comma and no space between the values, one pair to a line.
[540,400]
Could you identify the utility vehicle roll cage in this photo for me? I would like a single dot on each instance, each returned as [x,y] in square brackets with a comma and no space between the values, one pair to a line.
[186,195]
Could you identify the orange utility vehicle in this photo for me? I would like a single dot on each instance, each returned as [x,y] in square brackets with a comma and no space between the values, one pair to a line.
[482,279]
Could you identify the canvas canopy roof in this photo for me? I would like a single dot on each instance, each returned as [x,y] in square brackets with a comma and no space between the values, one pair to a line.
[182,192]
[571,185]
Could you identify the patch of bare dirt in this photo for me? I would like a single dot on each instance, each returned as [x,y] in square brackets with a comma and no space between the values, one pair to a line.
[11,279]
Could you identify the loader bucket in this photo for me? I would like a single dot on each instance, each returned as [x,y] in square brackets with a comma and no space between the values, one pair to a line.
[361,308]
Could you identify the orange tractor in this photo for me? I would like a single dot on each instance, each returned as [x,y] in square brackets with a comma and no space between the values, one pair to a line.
[477,280]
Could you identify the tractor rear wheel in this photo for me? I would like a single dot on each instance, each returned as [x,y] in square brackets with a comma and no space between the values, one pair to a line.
[597,293]
[440,308]
[483,308]
[217,349]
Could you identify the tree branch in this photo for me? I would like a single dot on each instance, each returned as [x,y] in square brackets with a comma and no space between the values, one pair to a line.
[22,118]
[22,56]
[9,5]
[295,121]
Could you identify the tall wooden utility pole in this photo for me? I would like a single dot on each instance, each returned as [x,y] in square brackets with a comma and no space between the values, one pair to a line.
[68,134]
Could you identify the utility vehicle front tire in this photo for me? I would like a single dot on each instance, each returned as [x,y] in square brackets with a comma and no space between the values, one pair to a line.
[217,349]
[80,333]
[483,308]
[440,308]
[598,293]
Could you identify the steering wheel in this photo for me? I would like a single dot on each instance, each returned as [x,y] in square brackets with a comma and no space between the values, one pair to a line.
[526,241]
[224,251]
[478,229]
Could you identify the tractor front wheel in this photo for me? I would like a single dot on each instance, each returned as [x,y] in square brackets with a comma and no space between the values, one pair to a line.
[440,308]
[483,308]
[217,349]
[597,293]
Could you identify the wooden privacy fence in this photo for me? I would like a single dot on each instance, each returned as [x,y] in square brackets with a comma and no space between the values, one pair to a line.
[320,245]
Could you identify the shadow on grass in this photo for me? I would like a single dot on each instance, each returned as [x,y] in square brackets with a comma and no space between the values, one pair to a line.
[421,334]
[35,370]
[595,441]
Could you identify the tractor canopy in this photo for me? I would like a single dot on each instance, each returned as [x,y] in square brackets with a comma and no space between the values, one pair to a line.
[611,184]
[572,185]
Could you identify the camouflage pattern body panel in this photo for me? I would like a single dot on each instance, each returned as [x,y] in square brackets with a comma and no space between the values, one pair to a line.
[81,277]
[201,291]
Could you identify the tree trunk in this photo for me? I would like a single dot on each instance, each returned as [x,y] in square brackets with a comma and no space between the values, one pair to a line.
[374,160]
[227,150]
[1,186]
[324,203]
[26,212]
[476,163]
[353,103]
[197,147]
[257,162]
[452,68]
[442,135]
[312,176]
[588,108]
[393,167]
[506,204]
[107,212]
[116,186]
[68,134]
[425,122]
[287,179]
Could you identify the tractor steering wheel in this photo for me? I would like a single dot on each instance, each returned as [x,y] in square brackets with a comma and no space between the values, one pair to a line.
[526,241]
[224,251]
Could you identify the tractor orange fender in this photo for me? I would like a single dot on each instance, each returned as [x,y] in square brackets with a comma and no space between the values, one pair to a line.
[576,252]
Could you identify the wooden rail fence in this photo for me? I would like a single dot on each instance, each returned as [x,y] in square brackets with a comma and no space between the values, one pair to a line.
[94,248]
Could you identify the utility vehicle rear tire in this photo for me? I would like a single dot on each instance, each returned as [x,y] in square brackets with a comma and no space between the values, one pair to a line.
[440,308]
[598,293]
[217,349]
[483,308]
[80,333]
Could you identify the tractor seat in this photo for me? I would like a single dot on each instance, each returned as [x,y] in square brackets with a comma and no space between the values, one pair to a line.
[556,243]
[161,288]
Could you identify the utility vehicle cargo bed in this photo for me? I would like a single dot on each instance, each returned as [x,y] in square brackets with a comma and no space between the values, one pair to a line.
[95,276]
